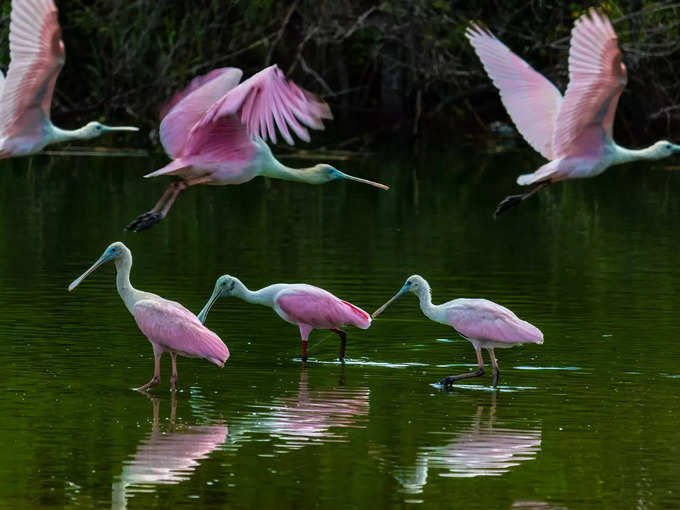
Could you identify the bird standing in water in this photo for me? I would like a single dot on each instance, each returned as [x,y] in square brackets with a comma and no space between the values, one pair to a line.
[485,324]
[36,58]
[167,324]
[306,306]
[573,132]
[216,129]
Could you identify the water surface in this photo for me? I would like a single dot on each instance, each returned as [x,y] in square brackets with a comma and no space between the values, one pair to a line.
[587,420]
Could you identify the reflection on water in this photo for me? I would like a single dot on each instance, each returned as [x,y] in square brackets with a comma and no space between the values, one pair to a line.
[166,457]
[482,449]
[309,416]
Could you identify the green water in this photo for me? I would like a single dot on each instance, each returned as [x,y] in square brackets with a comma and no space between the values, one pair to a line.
[588,420]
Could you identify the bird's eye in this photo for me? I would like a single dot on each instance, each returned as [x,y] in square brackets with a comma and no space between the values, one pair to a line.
[99,128]
[668,146]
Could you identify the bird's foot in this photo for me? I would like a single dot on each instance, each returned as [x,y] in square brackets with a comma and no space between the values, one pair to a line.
[447,381]
[144,221]
[508,203]
[153,382]
[173,383]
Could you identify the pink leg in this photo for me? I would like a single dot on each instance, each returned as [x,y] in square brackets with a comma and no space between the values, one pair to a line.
[480,371]
[164,197]
[494,364]
[173,378]
[304,350]
[156,375]
[305,330]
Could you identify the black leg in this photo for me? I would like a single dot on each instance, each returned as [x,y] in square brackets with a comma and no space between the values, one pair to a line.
[343,342]
[447,381]
[514,200]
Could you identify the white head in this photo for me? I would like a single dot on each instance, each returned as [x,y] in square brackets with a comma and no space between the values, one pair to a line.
[663,149]
[94,129]
[323,173]
[414,283]
[226,285]
[113,252]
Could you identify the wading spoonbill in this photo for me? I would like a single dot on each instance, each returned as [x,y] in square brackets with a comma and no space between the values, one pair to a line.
[573,132]
[36,57]
[483,323]
[306,306]
[167,324]
[215,132]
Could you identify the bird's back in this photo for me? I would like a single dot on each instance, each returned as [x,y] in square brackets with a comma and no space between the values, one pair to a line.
[174,328]
[481,319]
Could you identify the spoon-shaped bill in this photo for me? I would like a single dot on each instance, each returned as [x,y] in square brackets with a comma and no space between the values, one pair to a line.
[392,299]
[119,128]
[77,281]
[364,181]
[204,313]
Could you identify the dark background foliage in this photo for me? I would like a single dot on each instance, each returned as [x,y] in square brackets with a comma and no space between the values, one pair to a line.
[394,66]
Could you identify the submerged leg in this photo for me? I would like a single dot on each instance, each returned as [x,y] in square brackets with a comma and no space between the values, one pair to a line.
[343,342]
[149,219]
[514,200]
[304,350]
[173,378]
[305,330]
[480,371]
[156,374]
[494,364]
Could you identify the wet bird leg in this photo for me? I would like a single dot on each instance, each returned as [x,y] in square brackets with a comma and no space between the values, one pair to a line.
[343,342]
[156,375]
[173,378]
[480,371]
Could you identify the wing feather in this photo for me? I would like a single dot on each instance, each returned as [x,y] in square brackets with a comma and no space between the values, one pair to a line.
[597,76]
[531,100]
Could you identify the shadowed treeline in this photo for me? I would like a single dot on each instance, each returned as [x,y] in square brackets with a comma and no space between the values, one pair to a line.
[397,65]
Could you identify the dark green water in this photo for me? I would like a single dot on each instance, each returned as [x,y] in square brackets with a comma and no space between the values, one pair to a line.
[590,419]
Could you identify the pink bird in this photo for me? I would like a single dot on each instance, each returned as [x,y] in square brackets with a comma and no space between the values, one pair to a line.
[484,323]
[36,58]
[215,131]
[306,306]
[167,324]
[573,132]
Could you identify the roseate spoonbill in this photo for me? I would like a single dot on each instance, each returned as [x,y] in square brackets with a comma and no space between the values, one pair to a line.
[573,132]
[36,57]
[215,132]
[306,306]
[167,324]
[483,323]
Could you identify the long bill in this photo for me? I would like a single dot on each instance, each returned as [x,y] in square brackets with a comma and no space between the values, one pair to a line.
[119,128]
[102,260]
[364,181]
[380,310]
[204,313]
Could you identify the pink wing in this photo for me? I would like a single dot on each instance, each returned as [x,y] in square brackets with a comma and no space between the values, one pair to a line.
[187,106]
[320,309]
[175,328]
[266,100]
[597,77]
[481,319]
[36,57]
[531,100]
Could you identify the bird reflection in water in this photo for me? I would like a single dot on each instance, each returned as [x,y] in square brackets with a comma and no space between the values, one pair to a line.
[481,449]
[166,457]
[311,416]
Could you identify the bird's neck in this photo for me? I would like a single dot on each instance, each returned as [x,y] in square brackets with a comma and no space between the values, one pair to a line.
[273,168]
[57,135]
[425,297]
[624,155]
[127,292]
[264,296]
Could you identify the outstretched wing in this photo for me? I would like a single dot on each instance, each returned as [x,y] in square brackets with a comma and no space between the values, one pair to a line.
[532,101]
[36,57]
[176,329]
[481,319]
[267,101]
[597,76]
[187,106]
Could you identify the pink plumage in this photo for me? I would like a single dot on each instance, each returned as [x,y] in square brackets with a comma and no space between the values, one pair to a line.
[172,328]
[36,58]
[481,319]
[315,308]
[575,131]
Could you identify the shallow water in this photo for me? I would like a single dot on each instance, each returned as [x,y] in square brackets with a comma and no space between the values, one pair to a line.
[587,420]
